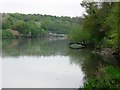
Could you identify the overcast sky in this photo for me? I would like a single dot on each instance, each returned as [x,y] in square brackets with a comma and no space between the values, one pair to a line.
[50,7]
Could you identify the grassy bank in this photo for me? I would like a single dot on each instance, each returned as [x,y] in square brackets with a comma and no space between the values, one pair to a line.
[108,77]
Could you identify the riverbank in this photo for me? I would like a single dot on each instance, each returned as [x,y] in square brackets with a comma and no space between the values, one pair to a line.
[108,75]
[108,52]
[13,34]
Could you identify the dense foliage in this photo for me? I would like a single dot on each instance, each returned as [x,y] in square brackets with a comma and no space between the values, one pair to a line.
[33,25]
[101,22]
[77,34]
[108,77]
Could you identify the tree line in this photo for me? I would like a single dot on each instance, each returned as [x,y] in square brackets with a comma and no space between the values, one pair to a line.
[34,25]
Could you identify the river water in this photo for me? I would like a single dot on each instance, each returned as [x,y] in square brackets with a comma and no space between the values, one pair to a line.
[46,63]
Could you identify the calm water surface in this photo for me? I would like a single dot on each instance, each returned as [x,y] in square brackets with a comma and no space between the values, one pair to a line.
[46,63]
[39,63]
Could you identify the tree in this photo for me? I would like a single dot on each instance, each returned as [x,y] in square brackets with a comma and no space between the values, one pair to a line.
[20,26]
[78,34]
[112,38]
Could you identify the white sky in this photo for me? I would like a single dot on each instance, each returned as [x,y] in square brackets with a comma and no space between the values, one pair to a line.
[50,7]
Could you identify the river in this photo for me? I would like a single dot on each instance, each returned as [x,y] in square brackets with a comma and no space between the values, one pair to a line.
[46,63]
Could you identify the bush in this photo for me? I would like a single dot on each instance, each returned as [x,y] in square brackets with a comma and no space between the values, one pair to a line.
[77,34]
[109,77]
[7,34]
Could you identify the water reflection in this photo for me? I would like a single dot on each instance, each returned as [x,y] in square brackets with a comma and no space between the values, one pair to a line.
[48,62]
[37,47]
